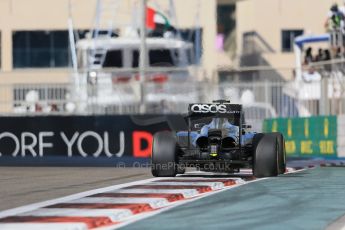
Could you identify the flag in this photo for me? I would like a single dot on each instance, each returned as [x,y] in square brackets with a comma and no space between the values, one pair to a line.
[156,19]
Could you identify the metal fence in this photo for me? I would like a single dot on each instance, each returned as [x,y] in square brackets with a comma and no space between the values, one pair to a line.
[260,99]
[317,89]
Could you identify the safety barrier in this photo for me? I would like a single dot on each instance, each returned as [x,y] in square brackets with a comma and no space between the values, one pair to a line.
[116,140]
[124,140]
[318,136]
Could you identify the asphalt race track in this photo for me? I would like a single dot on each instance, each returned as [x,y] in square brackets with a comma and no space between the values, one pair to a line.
[306,199]
[26,185]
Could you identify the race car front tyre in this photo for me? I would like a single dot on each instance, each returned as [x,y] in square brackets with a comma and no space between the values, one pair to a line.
[281,152]
[265,155]
[164,155]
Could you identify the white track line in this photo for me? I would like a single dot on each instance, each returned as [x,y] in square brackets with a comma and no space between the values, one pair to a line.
[213,185]
[113,214]
[203,179]
[153,202]
[187,193]
[43,226]
[202,173]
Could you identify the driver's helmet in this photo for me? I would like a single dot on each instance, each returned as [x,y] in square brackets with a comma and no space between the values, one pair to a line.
[219,123]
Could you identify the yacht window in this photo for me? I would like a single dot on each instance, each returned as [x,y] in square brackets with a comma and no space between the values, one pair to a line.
[113,58]
[161,58]
[135,59]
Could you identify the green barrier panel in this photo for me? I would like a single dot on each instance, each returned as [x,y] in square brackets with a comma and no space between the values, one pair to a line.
[306,137]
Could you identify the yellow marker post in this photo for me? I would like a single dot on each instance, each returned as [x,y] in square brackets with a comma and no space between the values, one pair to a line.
[325,127]
[306,128]
[289,128]
[275,126]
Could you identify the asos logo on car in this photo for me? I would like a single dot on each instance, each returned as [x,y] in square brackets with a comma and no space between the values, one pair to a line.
[206,108]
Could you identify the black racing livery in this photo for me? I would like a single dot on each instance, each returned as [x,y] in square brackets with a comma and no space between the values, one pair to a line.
[217,140]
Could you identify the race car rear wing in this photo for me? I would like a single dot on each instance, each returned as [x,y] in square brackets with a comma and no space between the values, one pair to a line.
[215,109]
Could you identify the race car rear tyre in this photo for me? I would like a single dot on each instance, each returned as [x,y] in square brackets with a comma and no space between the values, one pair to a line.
[265,155]
[281,152]
[164,155]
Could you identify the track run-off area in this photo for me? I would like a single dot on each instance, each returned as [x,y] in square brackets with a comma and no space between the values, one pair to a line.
[310,198]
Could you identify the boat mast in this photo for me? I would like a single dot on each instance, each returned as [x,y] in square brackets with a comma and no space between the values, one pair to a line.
[197,34]
[143,53]
[71,38]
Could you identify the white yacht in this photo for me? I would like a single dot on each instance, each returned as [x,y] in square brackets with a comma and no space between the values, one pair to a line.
[108,72]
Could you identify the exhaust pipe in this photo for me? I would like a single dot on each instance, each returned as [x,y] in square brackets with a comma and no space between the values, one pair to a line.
[229,142]
[202,142]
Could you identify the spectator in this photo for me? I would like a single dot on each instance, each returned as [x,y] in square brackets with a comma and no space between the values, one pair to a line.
[338,53]
[335,25]
[54,108]
[319,56]
[38,108]
[311,75]
[327,55]
[335,19]
[308,56]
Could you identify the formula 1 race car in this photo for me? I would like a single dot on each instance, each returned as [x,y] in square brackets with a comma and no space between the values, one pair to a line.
[217,140]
